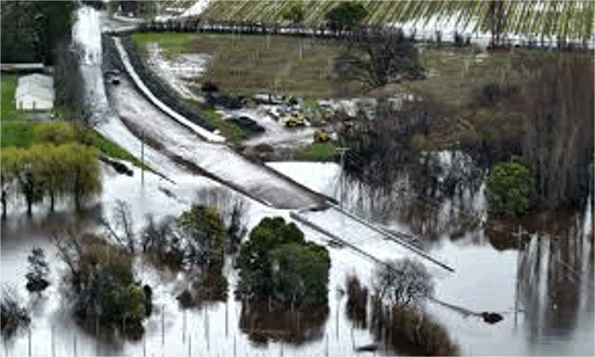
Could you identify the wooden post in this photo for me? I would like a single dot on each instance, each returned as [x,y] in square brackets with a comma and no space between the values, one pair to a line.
[142,156]
[53,345]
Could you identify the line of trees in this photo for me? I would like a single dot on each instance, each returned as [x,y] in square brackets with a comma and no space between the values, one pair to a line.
[56,166]
[32,29]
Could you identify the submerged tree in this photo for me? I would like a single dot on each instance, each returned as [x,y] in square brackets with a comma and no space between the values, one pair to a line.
[84,177]
[103,282]
[277,263]
[403,281]
[38,271]
[12,315]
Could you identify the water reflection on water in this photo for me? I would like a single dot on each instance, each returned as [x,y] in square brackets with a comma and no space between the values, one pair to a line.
[553,286]
[282,324]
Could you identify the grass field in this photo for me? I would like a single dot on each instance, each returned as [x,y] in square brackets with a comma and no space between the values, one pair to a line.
[249,64]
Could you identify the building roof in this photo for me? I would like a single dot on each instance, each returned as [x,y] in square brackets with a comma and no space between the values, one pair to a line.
[37,85]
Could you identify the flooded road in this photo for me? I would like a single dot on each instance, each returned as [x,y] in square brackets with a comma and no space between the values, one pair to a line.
[549,280]
[557,307]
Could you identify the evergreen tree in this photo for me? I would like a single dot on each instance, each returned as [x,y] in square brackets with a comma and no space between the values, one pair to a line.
[38,271]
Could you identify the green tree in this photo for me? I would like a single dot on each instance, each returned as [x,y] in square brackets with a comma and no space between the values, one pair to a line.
[295,14]
[300,273]
[31,29]
[81,164]
[25,166]
[510,186]
[346,16]
[19,135]
[52,171]
[205,226]
[277,262]
[10,164]
[56,133]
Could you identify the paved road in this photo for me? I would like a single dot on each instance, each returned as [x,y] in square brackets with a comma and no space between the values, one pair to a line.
[129,114]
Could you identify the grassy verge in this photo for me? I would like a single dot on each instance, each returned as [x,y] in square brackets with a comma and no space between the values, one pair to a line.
[231,131]
[113,150]
[317,152]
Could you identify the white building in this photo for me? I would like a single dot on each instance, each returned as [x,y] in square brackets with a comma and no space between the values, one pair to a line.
[35,92]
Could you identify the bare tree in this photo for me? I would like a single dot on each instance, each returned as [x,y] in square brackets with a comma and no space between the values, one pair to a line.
[403,281]
[378,57]
[13,316]
[233,209]
[123,219]
[559,127]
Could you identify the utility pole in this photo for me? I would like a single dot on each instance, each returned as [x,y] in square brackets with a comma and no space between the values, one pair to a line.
[516,290]
[142,159]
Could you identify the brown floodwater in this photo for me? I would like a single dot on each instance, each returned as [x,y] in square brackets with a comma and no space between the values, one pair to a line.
[549,281]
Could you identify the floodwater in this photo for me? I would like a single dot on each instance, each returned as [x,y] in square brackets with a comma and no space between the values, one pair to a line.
[550,280]
[544,290]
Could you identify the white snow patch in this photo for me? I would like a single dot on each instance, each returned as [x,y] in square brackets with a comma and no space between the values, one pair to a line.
[197,8]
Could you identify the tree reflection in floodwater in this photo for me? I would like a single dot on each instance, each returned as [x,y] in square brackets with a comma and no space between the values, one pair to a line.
[555,276]
[281,323]
[440,194]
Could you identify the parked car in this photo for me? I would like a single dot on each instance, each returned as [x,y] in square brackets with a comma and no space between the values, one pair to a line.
[248,125]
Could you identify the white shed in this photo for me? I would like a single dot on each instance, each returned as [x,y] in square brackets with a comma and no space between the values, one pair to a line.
[35,92]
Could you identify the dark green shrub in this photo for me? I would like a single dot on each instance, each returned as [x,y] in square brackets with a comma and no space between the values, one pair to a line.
[510,186]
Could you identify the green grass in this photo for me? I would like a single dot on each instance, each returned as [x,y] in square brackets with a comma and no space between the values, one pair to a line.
[230,131]
[317,152]
[113,150]
[21,134]
[250,64]
[9,111]
[454,75]
[172,43]
[17,134]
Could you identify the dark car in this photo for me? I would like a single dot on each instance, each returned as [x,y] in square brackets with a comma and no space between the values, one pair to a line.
[248,125]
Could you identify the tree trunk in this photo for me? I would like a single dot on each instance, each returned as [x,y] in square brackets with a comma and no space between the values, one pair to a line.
[3,200]
[29,205]
[52,201]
